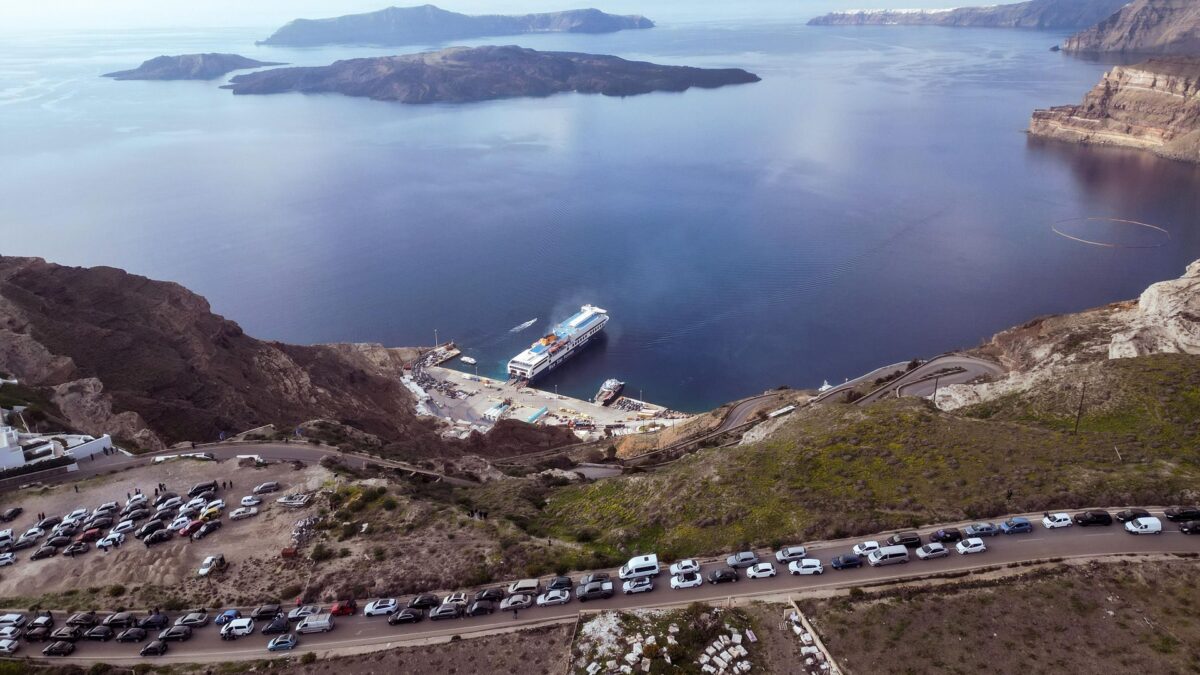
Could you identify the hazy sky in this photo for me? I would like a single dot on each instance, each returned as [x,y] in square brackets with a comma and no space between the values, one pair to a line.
[18,15]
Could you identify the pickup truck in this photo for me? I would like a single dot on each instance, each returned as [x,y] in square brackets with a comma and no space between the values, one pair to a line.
[594,590]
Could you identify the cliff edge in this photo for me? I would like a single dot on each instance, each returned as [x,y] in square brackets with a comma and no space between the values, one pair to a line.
[1144,27]
[189,67]
[1043,14]
[1153,106]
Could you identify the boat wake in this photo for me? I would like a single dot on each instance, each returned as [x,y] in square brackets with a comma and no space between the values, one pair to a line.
[521,327]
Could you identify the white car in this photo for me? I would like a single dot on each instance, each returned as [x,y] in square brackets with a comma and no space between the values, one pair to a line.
[14,620]
[211,563]
[687,580]
[123,527]
[685,566]
[179,523]
[790,553]
[10,633]
[136,499]
[932,550]
[75,517]
[381,607]
[806,566]
[760,571]
[1144,525]
[639,585]
[34,533]
[251,500]
[7,559]
[1056,520]
[518,601]
[555,597]
[865,548]
[237,628]
[9,646]
[215,504]
[244,512]
[113,539]
[198,503]
[458,598]
[105,507]
[972,545]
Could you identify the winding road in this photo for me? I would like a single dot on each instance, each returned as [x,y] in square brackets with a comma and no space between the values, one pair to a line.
[356,633]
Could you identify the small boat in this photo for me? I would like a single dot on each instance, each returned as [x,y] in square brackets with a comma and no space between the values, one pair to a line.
[609,391]
[468,360]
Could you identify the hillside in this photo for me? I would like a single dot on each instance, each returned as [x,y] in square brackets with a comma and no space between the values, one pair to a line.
[148,362]
[429,24]
[462,74]
[1041,14]
[189,67]
[1144,27]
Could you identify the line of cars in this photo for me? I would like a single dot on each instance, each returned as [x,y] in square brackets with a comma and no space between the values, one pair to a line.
[109,524]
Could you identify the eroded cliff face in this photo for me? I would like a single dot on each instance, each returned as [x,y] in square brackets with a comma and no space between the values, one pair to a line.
[1164,320]
[1153,105]
[1044,14]
[1144,27]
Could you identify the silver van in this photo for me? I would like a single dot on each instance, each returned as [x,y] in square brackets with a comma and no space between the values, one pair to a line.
[529,586]
[316,623]
[888,555]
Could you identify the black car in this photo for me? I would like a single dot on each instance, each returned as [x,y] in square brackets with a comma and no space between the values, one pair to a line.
[905,539]
[845,561]
[44,552]
[279,624]
[446,611]
[134,634]
[560,584]
[157,537]
[492,594]
[406,615]
[101,633]
[60,648]
[176,633]
[22,543]
[596,590]
[101,523]
[1132,514]
[723,575]
[1190,527]
[164,497]
[37,634]
[155,648]
[75,549]
[84,619]
[481,608]
[265,612]
[198,488]
[207,529]
[10,515]
[58,541]
[193,619]
[49,523]
[947,535]
[155,622]
[1093,517]
[425,601]
[68,633]
[149,528]
[138,514]
[1177,514]
[120,620]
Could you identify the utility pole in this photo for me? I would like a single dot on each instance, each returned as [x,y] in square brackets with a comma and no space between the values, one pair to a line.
[435,340]
[1079,411]
[936,378]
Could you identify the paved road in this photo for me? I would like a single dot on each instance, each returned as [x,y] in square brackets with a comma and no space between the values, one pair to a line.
[968,368]
[869,377]
[358,632]
[742,412]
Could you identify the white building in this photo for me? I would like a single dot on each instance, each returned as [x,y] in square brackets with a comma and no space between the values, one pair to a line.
[18,449]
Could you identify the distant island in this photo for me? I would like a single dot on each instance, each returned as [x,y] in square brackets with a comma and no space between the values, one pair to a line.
[462,74]
[189,67]
[1144,27]
[1046,14]
[427,24]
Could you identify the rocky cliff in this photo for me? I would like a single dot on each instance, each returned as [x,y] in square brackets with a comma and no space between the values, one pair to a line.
[189,67]
[1153,105]
[462,74]
[427,24]
[1048,14]
[1144,27]
[148,362]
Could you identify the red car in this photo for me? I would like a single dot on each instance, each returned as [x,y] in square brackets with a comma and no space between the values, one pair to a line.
[89,535]
[344,608]
[190,529]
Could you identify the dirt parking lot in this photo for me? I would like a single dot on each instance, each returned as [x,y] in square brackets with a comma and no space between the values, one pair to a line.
[172,565]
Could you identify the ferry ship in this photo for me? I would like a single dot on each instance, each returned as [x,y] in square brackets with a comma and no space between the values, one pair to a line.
[608,391]
[558,345]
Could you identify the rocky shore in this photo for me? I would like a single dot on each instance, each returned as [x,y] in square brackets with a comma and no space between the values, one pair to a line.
[1153,106]
[462,74]
[189,67]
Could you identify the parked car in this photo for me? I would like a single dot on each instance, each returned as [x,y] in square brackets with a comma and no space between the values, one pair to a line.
[481,608]
[445,611]
[13,620]
[317,623]
[191,528]
[11,514]
[237,628]
[9,647]
[381,607]
[155,621]
[518,601]
[760,571]
[1144,525]
[44,552]
[7,559]
[78,548]
[686,580]
[138,514]
[158,537]
[100,633]
[970,545]
[301,613]
[560,583]
[251,500]
[227,616]
[60,648]
[67,633]
[789,553]
[134,634]
[1016,525]
[198,488]
[425,601]
[149,528]
[560,596]
[283,643]
[408,615]
[164,497]
[123,527]
[866,548]
[1189,527]
[638,585]
[169,504]
[154,648]
[179,523]
[933,550]
[22,543]
[193,619]
[60,541]
[742,559]
[977,530]
[279,624]
[596,590]
[120,620]
[243,513]
[206,529]
[112,540]
[350,607]
[213,563]
[176,634]
[722,575]
[84,619]
[846,561]
[1052,521]
[98,524]
[806,566]
[264,488]
[685,566]
[1181,513]
[594,576]
[10,633]
[905,539]
[1093,517]
[1131,514]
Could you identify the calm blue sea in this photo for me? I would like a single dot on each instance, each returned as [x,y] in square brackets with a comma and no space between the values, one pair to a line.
[873,199]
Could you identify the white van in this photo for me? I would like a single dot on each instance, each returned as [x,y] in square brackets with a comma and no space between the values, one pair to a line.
[888,555]
[316,623]
[530,586]
[639,567]
[1144,525]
